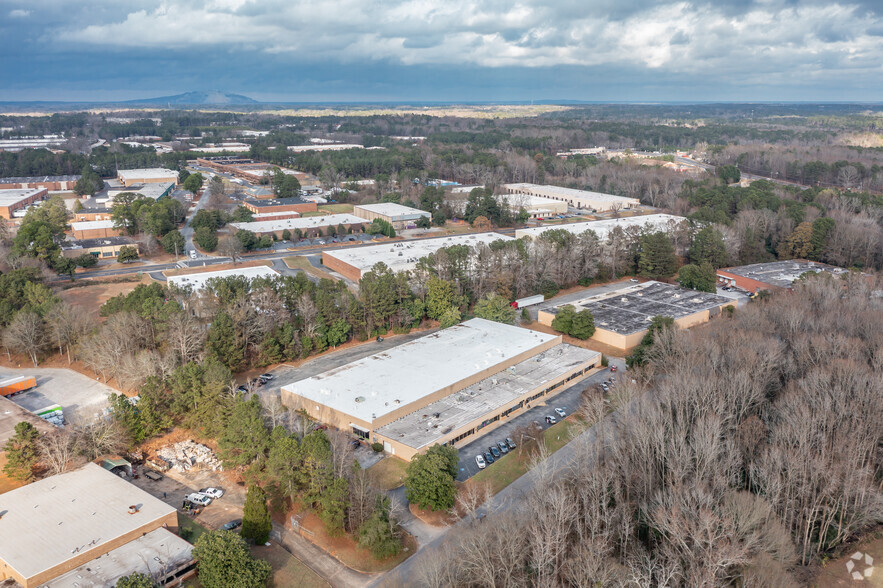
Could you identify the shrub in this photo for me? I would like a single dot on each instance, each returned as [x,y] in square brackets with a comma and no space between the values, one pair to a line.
[378,447]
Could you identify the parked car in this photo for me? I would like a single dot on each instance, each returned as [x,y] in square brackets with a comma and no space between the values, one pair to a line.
[266,377]
[354,443]
[479,461]
[198,498]
[605,388]
[635,280]
[495,452]
[212,492]
[152,475]
[504,449]
[551,420]
[242,388]
[192,254]
[257,382]
[510,443]
[488,457]
[613,368]
[560,412]
[234,524]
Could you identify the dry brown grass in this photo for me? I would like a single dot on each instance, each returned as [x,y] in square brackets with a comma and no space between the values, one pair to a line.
[91,297]
[389,472]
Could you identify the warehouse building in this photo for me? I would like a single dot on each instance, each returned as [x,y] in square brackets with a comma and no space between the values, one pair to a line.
[399,216]
[328,147]
[398,256]
[130,177]
[268,216]
[51,183]
[623,316]
[776,275]
[246,169]
[309,226]
[13,202]
[603,228]
[93,214]
[100,229]
[298,205]
[104,248]
[536,206]
[198,281]
[581,199]
[82,518]
[408,400]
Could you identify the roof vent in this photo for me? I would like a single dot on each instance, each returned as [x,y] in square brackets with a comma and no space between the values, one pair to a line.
[133,509]
[360,399]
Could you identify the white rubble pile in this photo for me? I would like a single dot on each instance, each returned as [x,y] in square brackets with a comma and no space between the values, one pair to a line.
[189,454]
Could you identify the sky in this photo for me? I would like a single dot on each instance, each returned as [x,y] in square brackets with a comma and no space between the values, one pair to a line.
[443,50]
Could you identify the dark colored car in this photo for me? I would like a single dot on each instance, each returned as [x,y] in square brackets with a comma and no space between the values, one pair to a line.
[488,457]
[504,449]
[496,452]
[234,524]
[510,443]
[242,388]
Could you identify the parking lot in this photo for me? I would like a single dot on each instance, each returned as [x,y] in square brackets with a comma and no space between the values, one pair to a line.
[174,485]
[569,398]
[79,396]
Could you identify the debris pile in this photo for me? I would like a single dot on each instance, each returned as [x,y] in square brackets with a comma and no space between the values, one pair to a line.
[189,454]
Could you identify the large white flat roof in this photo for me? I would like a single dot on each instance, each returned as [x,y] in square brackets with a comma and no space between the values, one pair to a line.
[394,211]
[197,281]
[13,196]
[87,225]
[302,223]
[157,552]
[50,521]
[602,228]
[403,255]
[571,193]
[148,172]
[374,386]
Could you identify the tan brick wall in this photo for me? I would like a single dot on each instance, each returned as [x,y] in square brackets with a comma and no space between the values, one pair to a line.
[98,233]
[348,271]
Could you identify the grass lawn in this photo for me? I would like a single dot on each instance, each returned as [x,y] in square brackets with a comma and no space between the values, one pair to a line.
[325,209]
[185,524]
[389,472]
[510,467]
[287,569]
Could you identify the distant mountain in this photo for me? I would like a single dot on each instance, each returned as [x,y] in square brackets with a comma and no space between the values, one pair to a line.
[218,98]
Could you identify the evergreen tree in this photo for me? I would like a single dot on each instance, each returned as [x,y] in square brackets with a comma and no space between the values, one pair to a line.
[563,321]
[657,258]
[21,452]
[136,580]
[245,439]
[127,253]
[583,324]
[698,277]
[429,482]
[256,523]
[376,534]
[173,242]
[226,562]
[494,307]
[708,246]
[223,341]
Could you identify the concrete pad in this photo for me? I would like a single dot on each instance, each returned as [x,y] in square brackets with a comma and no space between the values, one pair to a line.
[78,395]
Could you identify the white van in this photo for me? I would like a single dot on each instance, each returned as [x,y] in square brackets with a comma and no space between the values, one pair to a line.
[193,254]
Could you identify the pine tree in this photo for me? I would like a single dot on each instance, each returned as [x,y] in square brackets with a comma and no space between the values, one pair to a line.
[21,452]
[224,343]
[256,523]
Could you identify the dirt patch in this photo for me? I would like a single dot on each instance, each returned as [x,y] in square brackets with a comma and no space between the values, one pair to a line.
[91,297]
[287,569]
[836,572]
[216,268]
[345,549]
[7,483]
[431,517]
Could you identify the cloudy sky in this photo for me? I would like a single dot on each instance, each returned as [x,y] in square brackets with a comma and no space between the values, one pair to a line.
[444,50]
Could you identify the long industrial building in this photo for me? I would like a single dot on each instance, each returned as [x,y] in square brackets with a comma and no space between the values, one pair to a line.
[535,206]
[98,229]
[399,216]
[772,276]
[398,256]
[51,183]
[78,518]
[581,199]
[309,226]
[603,228]
[297,205]
[14,201]
[198,280]
[623,316]
[130,177]
[408,400]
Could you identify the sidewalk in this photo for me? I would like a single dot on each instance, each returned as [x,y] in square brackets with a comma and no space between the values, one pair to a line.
[326,566]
